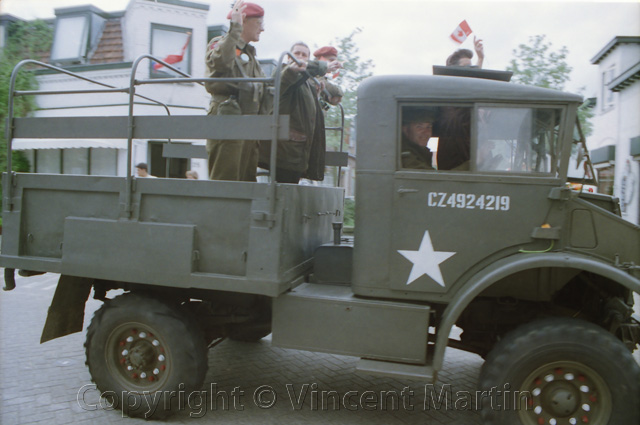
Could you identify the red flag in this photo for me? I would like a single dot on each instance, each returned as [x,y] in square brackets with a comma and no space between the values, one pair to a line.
[461,33]
[171,59]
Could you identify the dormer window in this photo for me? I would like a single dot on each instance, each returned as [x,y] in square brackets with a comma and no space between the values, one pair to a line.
[70,41]
[76,34]
[173,46]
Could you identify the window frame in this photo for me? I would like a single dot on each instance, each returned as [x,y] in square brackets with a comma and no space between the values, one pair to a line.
[84,39]
[532,106]
[473,173]
[188,52]
[608,96]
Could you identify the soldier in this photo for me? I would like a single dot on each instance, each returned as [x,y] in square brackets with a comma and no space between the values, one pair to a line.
[417,127]
[333,94]
[298,98]
[232,56]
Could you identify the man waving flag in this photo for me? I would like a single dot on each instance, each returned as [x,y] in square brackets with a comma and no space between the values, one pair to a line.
[461,33]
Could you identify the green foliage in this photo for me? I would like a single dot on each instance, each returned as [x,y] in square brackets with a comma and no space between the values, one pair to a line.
[349,212]
[355,69]
[26,40]
[585,113]
[535,64]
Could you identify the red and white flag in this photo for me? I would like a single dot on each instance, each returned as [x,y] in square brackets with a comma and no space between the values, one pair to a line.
[173,59]
[461,33]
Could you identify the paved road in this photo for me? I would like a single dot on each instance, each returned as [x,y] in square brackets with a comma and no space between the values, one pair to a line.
[50,384]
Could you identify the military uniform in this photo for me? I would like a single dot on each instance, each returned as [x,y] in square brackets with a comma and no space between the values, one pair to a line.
[230,56]
[299,100]
[332,91]
[415,156]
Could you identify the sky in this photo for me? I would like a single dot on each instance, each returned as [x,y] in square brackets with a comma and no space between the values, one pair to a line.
[410,36]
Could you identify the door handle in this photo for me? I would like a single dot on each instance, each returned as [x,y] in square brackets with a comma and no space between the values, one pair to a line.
[402,190]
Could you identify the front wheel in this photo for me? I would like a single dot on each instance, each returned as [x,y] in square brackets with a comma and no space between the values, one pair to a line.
[142,352]
[560,371]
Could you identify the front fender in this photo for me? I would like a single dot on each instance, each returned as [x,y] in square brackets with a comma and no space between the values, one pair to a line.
[510,265]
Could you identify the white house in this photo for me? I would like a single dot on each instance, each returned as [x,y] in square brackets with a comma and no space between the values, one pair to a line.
[615,142]
[103,46]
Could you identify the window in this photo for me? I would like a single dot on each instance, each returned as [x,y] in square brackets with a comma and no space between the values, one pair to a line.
[75,161]
[435,137]
[607,95]
[158,163]
[506,139]
[48,161]
[70,40]
[103,161]
[173,46]
[517,140]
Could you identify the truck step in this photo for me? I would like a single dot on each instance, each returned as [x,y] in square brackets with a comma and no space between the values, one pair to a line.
[395,370]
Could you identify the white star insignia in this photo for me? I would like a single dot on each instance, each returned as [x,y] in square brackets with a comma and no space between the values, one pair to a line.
[426,261]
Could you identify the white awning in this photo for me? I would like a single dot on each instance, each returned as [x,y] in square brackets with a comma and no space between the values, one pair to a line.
[25,144]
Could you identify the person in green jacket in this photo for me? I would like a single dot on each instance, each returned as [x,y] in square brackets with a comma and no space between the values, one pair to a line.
[299,100]
[417,129]
[231,56]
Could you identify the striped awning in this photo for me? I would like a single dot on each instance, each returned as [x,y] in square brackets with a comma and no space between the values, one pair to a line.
[26,144]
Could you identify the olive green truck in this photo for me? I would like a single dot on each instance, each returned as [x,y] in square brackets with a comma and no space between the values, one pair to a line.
[540,277]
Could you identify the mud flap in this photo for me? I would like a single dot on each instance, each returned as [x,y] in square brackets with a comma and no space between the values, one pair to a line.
[66,313]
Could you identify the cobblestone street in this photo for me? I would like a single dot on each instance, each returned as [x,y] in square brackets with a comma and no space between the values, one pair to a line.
[50,383]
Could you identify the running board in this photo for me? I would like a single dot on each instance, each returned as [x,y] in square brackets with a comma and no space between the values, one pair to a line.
[395,370]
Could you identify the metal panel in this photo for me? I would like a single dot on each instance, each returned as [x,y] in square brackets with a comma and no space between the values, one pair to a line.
[127,251]
[223,127]
[314,317]
[336,159]
[184,150]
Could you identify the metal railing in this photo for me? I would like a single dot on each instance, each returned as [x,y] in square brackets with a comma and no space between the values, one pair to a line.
[275,80]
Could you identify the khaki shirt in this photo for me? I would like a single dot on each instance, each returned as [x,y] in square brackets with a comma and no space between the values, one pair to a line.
[221,62]
[415,157]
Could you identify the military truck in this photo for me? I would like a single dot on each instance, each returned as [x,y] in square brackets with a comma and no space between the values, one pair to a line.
[539,277]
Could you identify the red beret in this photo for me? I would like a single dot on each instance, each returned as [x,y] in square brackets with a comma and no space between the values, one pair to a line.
[326,51]
[251,11]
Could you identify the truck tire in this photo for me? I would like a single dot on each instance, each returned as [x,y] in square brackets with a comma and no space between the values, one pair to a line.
[573,371]
[143,354]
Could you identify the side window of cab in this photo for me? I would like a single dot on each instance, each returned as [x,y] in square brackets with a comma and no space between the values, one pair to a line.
[517,140]
[482,139]
[435,137]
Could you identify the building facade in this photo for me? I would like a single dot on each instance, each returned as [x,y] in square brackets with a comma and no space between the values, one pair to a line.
[102,47]
[615,142]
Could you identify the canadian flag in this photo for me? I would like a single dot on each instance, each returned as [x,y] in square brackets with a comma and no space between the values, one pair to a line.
[461,33]
[171,59]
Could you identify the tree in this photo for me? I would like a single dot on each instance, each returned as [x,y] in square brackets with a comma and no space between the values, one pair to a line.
[25,40]
[354,71]
[535,64]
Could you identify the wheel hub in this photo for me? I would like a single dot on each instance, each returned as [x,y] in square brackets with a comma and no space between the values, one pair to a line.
[561,400]
[565,393]
[139,357]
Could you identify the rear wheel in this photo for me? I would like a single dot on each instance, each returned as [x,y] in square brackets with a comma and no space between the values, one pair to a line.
[142,352]
[560,371]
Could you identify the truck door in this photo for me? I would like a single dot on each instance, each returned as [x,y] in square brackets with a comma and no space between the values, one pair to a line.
[484,191]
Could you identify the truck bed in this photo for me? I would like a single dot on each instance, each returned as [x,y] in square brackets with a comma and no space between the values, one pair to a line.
[181,233]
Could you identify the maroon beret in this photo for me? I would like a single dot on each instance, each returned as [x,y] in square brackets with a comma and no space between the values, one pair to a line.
[326,51]
[251,11]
